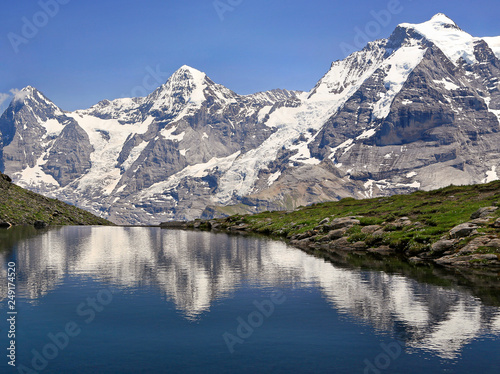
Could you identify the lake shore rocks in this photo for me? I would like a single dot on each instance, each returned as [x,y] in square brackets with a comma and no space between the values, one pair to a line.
[465,245]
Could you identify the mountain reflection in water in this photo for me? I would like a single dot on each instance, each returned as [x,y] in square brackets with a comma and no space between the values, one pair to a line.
[194,269]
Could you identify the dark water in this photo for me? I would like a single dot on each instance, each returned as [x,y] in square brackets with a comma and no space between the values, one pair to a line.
[146,300]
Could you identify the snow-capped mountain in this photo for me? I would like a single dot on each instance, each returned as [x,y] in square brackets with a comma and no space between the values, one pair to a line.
[420,109]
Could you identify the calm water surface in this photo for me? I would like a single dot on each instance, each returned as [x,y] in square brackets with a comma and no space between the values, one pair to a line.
[146,300]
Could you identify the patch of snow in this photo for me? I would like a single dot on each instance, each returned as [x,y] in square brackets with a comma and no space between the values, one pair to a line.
[345,146]
[168,134]
[194,171]
[366,134]
[491,175]
[447,84]
[104,174]
[447,36]
[35,176]
[303,155]
[264,112]
[411,174]
[53,127]
[273,178]
[400,64]
[415,184]
[134,155]
[369,187]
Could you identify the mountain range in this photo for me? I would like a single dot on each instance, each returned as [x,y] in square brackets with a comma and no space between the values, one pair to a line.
[419,110]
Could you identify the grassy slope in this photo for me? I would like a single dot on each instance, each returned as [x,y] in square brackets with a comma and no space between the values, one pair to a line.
[19,206]
[438,211]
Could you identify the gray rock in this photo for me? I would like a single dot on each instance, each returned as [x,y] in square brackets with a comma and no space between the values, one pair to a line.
[474,244]
[442,245]
[463,230]
[370,229]
[340,244]
[480,221]
[494,243]
[324,221]
[484,212]
[342,222]
[496,224]
[336,234]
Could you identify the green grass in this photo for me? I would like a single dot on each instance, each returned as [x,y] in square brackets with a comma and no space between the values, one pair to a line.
[19,206]
[437,212]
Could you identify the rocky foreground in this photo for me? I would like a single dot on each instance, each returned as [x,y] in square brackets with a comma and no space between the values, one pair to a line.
[451,227]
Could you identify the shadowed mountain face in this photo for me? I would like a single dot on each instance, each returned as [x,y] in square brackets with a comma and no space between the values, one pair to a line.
[417,110]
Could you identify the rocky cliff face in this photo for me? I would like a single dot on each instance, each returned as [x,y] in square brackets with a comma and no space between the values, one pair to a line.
[418,110]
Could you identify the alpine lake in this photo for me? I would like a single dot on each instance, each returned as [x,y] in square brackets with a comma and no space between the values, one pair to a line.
[81,299]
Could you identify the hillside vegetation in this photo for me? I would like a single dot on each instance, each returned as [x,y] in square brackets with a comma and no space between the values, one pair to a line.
[446,226]
[22,207]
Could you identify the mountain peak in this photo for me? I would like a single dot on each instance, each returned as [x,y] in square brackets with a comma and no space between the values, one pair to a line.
[455,43]
[443,19]
[187,72]
[21,95]
[438,22]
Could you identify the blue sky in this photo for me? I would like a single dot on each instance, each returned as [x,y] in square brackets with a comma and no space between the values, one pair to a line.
[79,52]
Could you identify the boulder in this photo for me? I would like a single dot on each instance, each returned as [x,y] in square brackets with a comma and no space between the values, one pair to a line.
[474,244]
[496,224]
[442,245]
[370,229]
[494,243]
[483,212]
[324,221]
[336,234]
[480,221]
[403,221]
[463,230]
[341,244]
[5,225]
[339,223]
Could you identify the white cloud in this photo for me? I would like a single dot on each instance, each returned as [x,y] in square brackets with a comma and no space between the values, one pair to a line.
[3,97]
[14,93]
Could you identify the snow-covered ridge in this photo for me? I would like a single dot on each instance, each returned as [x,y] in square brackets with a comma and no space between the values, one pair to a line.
[447,36]
[494,43]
